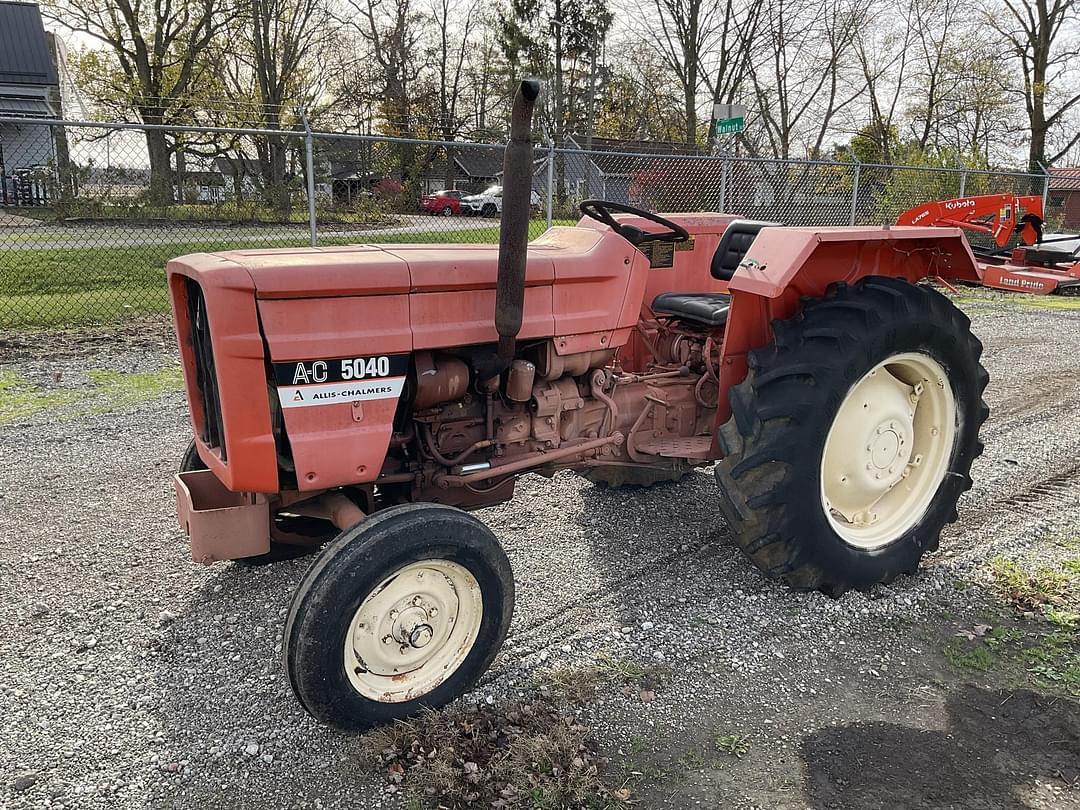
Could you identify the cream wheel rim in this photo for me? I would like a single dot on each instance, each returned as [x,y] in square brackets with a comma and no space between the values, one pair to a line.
[888,450]
[413,631]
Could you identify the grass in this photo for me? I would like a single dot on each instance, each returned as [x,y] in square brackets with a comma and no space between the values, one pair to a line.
[60,286]
[969,656]
[1059,302]
[138,211]
[1029,590]
[1038,644]
[579,684]
[734,745]
[21,399]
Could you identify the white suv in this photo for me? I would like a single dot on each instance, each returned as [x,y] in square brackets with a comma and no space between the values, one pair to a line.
[488,202]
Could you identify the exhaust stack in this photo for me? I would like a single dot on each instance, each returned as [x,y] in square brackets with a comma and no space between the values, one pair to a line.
[514,222]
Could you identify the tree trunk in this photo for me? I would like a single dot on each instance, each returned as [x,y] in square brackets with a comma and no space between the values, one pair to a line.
[65,175]
[181,175]
[161,176]
[449,179]
[279,194]
[560,113]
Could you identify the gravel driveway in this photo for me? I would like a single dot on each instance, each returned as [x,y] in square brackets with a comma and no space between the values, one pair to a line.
[132,677]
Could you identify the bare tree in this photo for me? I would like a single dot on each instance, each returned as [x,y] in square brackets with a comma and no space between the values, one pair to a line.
[287,37]
[802,75]
[732,45]
[1043,37]
[160,49]
[883,59]
[681,31]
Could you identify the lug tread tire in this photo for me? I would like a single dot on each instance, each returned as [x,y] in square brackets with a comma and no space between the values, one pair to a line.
[349,568]
[769,476]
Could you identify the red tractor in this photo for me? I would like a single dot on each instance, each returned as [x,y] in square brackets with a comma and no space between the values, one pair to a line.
[363,398]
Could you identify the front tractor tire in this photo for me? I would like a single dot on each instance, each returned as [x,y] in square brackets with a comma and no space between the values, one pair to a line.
[852,437]
[402,612]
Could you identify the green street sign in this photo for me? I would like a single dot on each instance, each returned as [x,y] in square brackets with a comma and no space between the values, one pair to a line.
[730,126]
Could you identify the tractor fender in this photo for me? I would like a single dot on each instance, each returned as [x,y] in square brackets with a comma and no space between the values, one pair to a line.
[784,265]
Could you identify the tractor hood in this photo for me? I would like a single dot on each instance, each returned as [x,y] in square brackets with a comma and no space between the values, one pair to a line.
[363,270]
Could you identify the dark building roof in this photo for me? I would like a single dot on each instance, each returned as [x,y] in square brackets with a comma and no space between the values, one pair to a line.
[247,167]
[480,163]
[24,53]
[620,164]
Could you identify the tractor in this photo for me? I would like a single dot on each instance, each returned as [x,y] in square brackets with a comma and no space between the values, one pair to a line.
[360,401]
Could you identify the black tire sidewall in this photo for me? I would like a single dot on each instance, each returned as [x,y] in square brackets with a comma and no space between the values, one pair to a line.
[346,573]
[920,334]
[191,461]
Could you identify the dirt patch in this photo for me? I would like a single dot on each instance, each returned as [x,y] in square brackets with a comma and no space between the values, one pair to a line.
[997,749]
[148,334]
[531,753]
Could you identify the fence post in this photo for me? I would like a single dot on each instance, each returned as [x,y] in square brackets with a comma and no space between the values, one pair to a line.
[309,163]
[963,182]
[722,204]
[1046,185]
[550,179]
[855,189]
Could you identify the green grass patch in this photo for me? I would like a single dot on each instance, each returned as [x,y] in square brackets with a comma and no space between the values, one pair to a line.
[1041,646]
[734,745]
[1060,302]
[62,286]
[1028,590]
[969,656]
[118,390]
[21,399]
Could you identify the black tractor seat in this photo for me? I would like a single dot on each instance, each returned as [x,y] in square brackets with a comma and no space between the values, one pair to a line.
[709,309]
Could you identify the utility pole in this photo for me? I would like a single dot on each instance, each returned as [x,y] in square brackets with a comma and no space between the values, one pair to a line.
[590,125]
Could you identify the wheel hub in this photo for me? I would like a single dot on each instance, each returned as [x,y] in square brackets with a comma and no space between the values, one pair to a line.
[412,630]
[871,481]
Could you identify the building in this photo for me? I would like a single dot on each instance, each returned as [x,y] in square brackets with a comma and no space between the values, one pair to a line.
[29,88]
[1064,196]
[616,170]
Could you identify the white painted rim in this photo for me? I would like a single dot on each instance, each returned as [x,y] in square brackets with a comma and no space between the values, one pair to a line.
[413,631]
[888,450]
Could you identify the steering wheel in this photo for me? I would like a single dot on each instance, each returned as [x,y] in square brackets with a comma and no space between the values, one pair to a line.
[600,210]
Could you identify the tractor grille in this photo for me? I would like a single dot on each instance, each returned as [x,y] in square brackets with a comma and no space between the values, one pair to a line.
[212,429]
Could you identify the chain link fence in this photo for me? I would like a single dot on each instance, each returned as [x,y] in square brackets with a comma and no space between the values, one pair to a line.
[90,213]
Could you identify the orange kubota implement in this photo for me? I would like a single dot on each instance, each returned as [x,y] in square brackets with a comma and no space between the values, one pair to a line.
[1035,263]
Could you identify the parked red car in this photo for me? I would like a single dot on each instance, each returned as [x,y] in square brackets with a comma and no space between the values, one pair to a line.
[445,203]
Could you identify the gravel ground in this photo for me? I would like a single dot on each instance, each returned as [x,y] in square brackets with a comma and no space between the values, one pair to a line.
[132,677]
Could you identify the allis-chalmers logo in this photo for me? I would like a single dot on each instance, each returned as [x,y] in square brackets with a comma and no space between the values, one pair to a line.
[953,205]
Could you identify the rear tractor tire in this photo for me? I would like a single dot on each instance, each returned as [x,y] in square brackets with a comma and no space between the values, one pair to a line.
[402,612]
[852,437]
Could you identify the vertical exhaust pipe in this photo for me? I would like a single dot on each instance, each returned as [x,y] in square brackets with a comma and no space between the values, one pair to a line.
[514,222]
